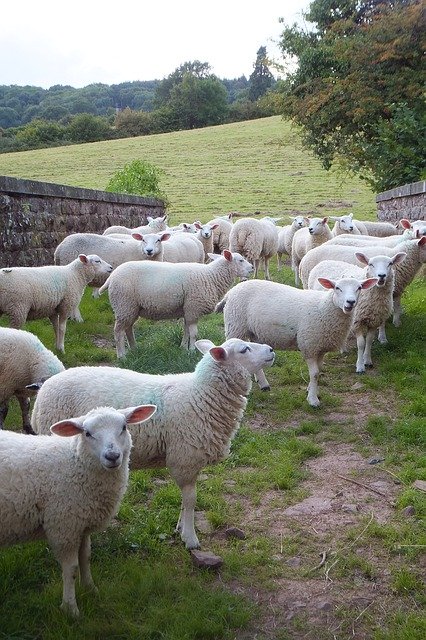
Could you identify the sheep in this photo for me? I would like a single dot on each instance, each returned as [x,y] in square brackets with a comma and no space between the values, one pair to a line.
[65,489]
[205,236]
[358,241]
[221,232]
[24,360]
[312,322]
[380,229]
[155,225]
[307,239]
[52,292]
[404,273]
[374,306]
[197,413]
[285,236]
[420,226]
[344,224]
[256,240]
[185,227]
[183,247]
[161,291]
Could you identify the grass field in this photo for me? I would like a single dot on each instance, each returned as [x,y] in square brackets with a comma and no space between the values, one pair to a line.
[331,551]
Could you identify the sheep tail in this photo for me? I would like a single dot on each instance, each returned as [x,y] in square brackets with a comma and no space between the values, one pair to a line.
[221,305]
[104,287]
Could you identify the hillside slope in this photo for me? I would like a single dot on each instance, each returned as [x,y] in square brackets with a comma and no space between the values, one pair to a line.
[257,165]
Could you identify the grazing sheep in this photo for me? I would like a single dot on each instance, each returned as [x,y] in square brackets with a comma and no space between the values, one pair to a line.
[155,225]
[221,232]
[205,236]
[312,322]
[24,360]
[64,489]
[161,291]
[285,236]
[256,240]
[198,413]
[305,240]
[344,224]
[374,306]
[54,292]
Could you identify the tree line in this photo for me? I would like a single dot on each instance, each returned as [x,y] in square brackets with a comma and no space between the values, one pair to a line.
[190,97]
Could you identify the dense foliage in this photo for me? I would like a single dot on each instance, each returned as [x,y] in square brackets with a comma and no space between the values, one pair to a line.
[139,178]
[357,89]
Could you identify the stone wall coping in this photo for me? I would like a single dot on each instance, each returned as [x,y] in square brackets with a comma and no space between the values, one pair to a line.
[405,190]
[9,184]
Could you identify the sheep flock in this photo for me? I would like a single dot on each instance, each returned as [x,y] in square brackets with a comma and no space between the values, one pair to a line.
[87,427]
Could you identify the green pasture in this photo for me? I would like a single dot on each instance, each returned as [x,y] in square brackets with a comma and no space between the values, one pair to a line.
[148,587]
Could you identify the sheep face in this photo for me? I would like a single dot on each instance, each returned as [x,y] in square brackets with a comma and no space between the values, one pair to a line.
[151,242]
[99,265]
[316,225]
[250,355]
[345,223]
[205,230]
[243,267]
[299,222]
[380,267]
[346,291]
[189,227]
[103,432]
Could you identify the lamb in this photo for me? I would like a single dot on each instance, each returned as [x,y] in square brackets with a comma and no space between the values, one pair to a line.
[205,236]
[380,229]
[374,306]
[404,273]
[305,240]
[54,292]
[285,236]
[183,247]
[385,241]
[221,232]
[161,291]
[312,322]
[256,240]
[24,360]
[197,413]
[344,224]
[420,226]
[155,225]
[65,489]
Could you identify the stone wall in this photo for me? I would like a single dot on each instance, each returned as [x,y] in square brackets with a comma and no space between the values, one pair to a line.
[36,216]
[408,201]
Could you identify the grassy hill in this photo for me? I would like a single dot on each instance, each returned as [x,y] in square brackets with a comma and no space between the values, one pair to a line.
[258,165]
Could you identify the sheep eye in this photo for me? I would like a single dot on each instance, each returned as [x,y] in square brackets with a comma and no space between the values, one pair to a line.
[124,428]
[88,434]
[338,289]
[245,349]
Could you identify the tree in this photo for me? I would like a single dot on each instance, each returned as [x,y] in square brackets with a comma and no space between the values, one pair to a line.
[261,79]
[85,127]
[139,178]
[357,91]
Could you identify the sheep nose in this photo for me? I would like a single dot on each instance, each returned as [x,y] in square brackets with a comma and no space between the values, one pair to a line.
[149,252]
[351,228]
[112,456]
[311,230]
[350,303]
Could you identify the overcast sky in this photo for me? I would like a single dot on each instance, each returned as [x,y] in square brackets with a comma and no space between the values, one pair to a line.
[78,42]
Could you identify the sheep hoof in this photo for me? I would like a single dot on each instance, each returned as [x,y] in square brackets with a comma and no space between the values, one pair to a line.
[70,609]
[268,388]
[383,340]
[369,365]
[360,371]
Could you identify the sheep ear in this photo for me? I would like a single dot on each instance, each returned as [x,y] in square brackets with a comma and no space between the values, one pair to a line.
[149,218]
[204,345]
[405,224]
[165,237]
[139,414]
[325,220]
[67,428]
[218,353]
[307,220]
[370,282]
[334,218]
[398,258]
[326,283]
[422,240]
[214,226]
[227,255]
[197,225]
[137,236]
[214,256]
[83,258]
[362,258]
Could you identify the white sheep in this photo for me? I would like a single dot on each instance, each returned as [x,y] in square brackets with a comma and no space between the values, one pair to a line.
[374,306]
[380,229]
[312,322]
[66,488]
[344,224]
[256,240]
[155,225]
[360,240]
[221,232]
[205,236]
[419,225]
[404,273]
[54,292]
[24,360]
[285,236]
[183,247]
[306,239]
[162,291]
[197,413]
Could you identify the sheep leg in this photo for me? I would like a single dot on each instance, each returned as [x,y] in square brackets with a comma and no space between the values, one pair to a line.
[295,268]
[84,554]
[360,342]
[60,327]
[397,310]
[185,524]
[189,335]
[261,380]
[314,365]
[120,338]
[130,334]
[69,564]
[279,261]
[4,408]
[24,403]
[382,334]
[76,315]
[95,292]
[367,351]
[266,263]
[256,264]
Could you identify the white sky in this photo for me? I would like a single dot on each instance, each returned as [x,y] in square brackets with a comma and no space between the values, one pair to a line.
[78,42]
